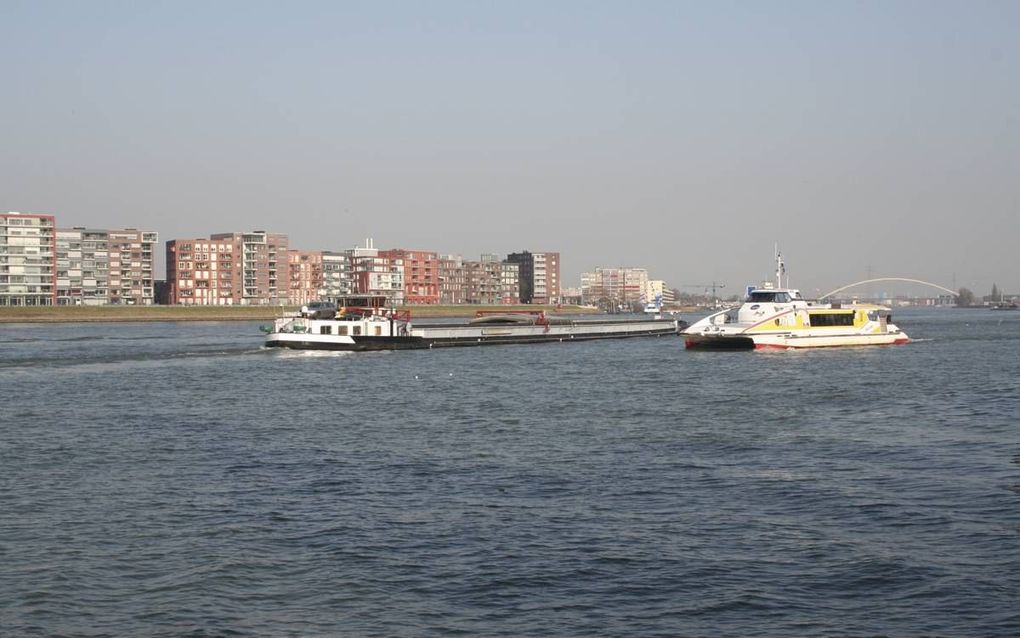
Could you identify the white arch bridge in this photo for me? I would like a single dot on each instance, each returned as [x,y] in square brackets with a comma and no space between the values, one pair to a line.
[870,281]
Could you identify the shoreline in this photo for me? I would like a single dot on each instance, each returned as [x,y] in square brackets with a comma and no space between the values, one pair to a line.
[102,314]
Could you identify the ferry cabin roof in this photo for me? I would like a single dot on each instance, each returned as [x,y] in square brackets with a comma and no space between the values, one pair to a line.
[773,296]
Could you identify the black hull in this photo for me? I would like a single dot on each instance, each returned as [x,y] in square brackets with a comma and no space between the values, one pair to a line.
[727,343]
[369,343]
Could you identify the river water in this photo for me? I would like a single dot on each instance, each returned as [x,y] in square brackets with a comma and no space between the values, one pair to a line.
[176,479]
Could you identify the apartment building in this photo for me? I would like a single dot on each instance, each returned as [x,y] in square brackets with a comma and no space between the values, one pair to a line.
[336,275]
[306,276]
[615,285]
[482,282]
[452,280]
[229,269]
[491,281]
[83,267]
[421,274]
[510,283]
[204,272]
[28,268]
[657,288]
[539,276]
[264,268]
[375,275]
[132,278]
[101,266]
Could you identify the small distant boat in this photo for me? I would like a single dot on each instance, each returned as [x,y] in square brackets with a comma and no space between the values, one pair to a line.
[780,318]
[1005,305]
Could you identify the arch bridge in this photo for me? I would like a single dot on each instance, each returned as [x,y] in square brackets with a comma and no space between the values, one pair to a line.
[870,281]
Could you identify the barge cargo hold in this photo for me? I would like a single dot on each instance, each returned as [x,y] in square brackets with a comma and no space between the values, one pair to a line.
[364,329]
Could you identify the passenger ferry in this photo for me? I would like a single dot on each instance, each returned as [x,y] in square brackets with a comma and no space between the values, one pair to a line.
[777,317]
[379,328]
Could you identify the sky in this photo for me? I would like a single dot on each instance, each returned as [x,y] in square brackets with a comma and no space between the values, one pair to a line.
[866,138]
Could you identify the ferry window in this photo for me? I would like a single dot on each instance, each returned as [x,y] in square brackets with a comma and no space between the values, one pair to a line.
[325,330]
[757,296]
[341,330]
[378,331]
[834,319]
[356,330]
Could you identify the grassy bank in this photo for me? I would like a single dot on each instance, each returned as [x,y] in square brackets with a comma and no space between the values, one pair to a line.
[49,314]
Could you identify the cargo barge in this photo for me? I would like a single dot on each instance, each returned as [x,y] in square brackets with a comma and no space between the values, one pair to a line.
[366,329]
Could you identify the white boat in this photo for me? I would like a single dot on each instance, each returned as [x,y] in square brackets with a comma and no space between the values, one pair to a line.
[778,317]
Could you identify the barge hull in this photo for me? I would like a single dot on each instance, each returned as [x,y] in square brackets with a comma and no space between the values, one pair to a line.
[424,338]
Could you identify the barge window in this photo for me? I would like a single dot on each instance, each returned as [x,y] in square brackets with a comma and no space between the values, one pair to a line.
[834,319]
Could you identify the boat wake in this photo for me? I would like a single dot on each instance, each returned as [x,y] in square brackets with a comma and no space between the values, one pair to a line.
[104,361]
[306,354]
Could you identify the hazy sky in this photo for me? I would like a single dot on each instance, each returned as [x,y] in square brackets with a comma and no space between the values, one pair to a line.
[683,137]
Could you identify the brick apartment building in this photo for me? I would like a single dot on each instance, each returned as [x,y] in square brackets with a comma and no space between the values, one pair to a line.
[451,280]
[421,274]
[306,276]
[228,269]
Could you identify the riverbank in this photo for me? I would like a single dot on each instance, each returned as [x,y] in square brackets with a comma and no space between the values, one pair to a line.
[84,314]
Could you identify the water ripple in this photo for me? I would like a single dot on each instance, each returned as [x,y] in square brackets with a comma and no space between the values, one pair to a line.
[178,480]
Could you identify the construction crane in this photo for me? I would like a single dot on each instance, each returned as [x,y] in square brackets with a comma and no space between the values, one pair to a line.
[712,285]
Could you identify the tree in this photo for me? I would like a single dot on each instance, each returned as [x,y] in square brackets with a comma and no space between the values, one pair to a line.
[995,293]
[965,298]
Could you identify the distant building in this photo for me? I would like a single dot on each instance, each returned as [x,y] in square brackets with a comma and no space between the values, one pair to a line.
[375,275]
[203,272]
[539,276]
[655,288]
[264,267]
[82,267]
[28,267]
[509,283]
[100,266]
[617,286]
[336,275]
[482,282]
[421,274]
[97,266]
[452,280]
[571,296]
[132,266]
[228,269]
[306,276]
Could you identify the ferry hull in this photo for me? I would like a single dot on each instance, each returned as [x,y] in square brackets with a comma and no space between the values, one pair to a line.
[790,341]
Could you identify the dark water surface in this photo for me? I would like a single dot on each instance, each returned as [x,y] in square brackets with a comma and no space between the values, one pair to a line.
[174,479]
